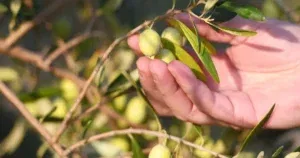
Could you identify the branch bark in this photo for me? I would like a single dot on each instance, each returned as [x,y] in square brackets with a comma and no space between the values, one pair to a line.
[31,120]
[139,131]
[27,26]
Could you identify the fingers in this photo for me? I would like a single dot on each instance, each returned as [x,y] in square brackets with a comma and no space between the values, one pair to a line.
[150,89]
[234,108]
[209,33]
[133,44]
[174,96]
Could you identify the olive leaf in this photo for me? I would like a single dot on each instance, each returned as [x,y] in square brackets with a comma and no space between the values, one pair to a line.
[137,151]
[3,8]
[173,4]
[40,93]
[209,5]
[120,83]
[184,57]
[14,139]
[48,114]
[257,128]
[245,11]
[297,149]
[233,31]
[200,49]
[86,127]
[277,152]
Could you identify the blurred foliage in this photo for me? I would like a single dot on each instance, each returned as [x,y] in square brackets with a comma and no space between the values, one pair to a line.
[49,98]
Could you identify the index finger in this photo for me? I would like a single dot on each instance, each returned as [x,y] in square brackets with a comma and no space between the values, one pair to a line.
[209,33]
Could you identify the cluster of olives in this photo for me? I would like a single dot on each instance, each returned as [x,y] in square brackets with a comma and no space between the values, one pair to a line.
[150,43]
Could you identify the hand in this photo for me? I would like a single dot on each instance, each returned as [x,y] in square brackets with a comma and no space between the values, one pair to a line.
[255,73]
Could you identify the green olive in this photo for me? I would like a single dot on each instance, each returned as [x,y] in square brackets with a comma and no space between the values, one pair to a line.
[165,55]
[293,155]
[160,151]
[121,143]
[172,35]
[149,42]
[136,110]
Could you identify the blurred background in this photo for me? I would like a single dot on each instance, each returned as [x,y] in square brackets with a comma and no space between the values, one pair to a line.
[102,21]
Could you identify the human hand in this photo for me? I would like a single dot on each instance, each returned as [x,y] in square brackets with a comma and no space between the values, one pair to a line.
[254,74]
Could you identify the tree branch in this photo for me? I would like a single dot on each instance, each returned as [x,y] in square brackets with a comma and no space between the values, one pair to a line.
[31,120]
[26,26]
[139,131]
[70,44]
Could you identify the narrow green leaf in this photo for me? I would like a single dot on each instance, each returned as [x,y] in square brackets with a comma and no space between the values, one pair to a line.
[173,4]
[3,8]
[208,63]
[198,130]
[137,151]
[277,152]
[297,149]
[48,114]
[245,11]
[42,92]
[14,139]
[203,55]
[209,5]
[256,129]
[120,83]
[185,58]
[209,47]
[86,128]
[233,31]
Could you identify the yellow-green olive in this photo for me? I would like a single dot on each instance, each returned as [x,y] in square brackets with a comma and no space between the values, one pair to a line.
[172,35]
[136,110]
[160,151]
[165,55]
[149,42]
[293,155]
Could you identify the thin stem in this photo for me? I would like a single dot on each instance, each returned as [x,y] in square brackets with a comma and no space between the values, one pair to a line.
[139,131]
[70,44]
[27,26]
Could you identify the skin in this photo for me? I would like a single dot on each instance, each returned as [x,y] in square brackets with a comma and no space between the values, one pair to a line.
[255,73]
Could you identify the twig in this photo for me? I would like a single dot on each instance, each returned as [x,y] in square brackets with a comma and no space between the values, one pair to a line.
[73,42]
[291,15]
[26,26]
[68,117]
[36,60]
[139,131]
[33,121]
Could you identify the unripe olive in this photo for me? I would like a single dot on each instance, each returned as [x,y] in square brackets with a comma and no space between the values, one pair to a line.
[293,155]
[61,108]
[172,35]
[121,143]
[160,151]
[149,42]
[136,110]
[165,55]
